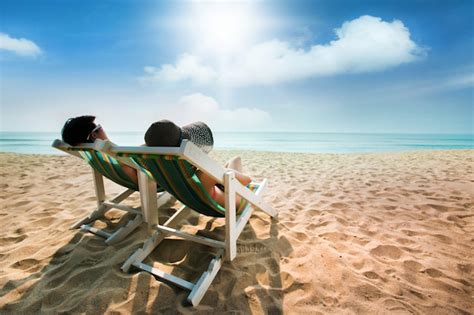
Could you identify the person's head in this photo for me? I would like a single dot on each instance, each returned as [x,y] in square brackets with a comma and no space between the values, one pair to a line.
[82,129]
[165,133]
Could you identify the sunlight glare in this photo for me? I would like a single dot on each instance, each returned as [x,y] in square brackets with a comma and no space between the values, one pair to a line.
[223,29]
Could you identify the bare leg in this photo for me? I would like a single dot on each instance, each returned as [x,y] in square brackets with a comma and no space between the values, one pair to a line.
[235,163]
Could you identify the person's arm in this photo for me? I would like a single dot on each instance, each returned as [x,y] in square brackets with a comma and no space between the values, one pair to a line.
[131,172]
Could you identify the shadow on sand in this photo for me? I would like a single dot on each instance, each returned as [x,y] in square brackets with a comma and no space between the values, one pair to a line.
[84,275]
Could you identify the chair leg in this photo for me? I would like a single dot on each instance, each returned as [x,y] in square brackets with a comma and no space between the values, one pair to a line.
[102,208]
[152,242]
[230,220]
[124,231]
[97,213]
[200,288]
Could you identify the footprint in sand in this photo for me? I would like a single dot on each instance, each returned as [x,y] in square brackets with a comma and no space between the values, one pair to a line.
[10,240]
[300,236]
[442,238]
[287,280]
[25,264]
[371,275]
[89,262]
[404,241]
[397,307]
[21,203]
[44,222]
[410,233]
[412,266]
[465,268]
[433,273]
[387,251]
[339,205]
[439,208]
[368,292]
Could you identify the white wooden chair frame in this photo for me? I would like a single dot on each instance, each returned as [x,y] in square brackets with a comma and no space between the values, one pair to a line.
[104,205]
[233,225]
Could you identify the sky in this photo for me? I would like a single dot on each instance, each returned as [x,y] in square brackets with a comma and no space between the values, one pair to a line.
[302,66]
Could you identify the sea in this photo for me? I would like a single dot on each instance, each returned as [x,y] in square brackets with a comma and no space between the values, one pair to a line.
[40,142]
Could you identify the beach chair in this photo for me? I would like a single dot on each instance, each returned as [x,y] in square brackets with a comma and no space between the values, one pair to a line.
[104,165]
[173,168]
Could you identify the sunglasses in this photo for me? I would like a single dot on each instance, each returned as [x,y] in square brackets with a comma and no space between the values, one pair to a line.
[97,128]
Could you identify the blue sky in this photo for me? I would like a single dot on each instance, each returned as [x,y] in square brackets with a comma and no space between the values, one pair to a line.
[326,66]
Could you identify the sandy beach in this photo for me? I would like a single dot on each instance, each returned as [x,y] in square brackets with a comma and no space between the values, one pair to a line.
[368,233]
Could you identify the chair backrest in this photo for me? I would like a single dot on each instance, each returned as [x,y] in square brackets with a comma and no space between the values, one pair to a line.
[177,175]
[103,163]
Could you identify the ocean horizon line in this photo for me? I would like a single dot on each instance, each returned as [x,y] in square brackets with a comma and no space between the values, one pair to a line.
[280,131]
[304,142]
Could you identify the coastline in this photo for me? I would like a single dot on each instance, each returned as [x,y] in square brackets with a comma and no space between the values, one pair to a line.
[299,142]
[357,232]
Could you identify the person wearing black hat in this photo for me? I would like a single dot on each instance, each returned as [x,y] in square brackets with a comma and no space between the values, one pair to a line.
[83,129]
[165,133]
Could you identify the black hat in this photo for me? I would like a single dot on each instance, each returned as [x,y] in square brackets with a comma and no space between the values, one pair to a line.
[165,133]
[76,130]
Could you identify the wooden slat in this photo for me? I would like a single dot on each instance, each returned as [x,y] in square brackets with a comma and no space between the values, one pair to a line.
[145,150]
[230,228]
[95,231]
[200,288]
[254,199]
[189,237]
[123,207]
[204,162]
[248,211]
[148,198]
[166,276]
[124,231]
[243,219]
[60,145]
[122,196]
[99,187]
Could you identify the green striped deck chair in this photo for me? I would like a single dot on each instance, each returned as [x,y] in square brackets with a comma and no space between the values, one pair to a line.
[174,169]
[104,165]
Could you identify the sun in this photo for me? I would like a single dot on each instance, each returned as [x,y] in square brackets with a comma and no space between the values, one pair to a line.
[222,28]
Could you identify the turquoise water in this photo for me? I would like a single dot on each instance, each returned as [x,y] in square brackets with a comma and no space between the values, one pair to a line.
[29,142]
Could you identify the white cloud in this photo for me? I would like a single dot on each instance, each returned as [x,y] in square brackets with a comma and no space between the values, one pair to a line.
[195,107]
[22,46]
[187,67]
[365,44]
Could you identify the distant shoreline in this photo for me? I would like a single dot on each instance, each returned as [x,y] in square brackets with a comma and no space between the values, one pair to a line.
[34,143]
[240,151]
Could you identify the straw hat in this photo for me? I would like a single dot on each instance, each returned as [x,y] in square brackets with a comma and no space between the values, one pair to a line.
[165,133]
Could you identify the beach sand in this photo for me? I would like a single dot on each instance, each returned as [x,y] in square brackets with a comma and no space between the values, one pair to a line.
[356,233]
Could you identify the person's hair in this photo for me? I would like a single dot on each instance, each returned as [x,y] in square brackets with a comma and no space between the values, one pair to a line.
[77,129]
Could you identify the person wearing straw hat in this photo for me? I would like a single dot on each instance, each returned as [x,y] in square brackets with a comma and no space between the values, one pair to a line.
[165,133]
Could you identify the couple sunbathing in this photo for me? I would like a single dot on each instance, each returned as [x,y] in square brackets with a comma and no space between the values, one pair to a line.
[162,133]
